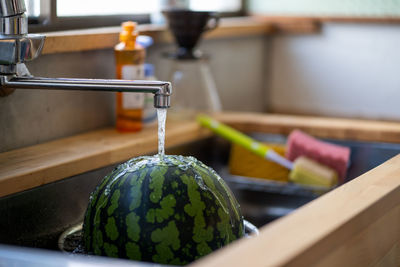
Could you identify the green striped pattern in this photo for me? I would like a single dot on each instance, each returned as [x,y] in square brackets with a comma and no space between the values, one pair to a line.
[169,211]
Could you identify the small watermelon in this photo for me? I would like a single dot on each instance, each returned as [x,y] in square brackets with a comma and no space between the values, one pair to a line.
[172,210]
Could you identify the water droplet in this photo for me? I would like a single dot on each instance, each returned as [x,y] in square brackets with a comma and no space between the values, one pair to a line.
[107,191]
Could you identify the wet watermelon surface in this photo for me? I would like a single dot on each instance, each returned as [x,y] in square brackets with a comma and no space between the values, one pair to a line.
[169,210]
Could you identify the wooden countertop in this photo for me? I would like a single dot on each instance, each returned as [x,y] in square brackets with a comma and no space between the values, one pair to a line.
[323,127]
[357,224]
[33,166]
[29,167]
[107,37]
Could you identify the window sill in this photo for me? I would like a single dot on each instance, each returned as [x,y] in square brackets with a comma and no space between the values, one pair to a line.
[105,38]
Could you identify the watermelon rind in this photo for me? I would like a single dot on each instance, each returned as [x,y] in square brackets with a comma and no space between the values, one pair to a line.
[169,210]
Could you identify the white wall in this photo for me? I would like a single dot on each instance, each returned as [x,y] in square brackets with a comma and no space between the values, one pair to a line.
[349,70]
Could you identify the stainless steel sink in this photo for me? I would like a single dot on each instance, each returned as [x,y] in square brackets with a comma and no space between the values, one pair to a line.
[37,217]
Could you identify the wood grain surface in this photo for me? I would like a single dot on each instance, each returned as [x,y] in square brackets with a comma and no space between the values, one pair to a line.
[28,167]
[107,38]
[323,127]
[357,224]
[33,166]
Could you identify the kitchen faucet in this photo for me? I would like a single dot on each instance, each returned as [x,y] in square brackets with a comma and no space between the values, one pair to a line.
[18,47]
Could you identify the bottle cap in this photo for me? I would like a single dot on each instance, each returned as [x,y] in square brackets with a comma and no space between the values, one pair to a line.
[129,32]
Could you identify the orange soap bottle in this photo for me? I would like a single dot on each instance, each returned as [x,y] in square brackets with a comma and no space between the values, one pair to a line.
[129,58]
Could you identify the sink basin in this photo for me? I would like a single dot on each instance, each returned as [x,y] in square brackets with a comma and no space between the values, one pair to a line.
[37,217]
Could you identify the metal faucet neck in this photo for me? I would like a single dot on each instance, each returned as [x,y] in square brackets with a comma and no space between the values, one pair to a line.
[10,8]
[17,47]
[13,20]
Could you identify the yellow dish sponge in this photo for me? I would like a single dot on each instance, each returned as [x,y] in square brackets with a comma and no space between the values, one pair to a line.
[246,163]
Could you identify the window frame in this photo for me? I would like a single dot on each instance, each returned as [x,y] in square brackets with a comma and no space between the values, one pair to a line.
[49,21]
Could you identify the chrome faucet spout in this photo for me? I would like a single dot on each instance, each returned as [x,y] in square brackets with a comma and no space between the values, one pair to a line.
[160,89]
[17,47]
